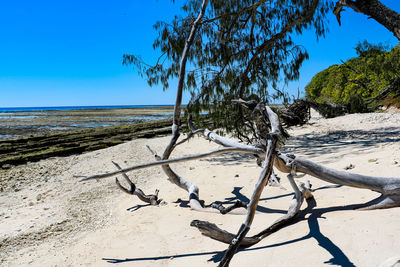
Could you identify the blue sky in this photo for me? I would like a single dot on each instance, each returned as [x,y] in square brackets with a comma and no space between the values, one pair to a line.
[69,52]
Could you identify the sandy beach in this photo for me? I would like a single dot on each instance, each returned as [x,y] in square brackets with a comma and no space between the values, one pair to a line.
[48,218]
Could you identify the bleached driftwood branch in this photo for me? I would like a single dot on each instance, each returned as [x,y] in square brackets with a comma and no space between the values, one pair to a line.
[168,161]
[388,187]
[133,190]
[213,231]
[262,181]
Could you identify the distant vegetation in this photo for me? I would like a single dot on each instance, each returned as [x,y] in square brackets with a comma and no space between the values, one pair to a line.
[360,84]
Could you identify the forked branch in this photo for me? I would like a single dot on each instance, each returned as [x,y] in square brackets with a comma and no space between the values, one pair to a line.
[303,191]
[133,190]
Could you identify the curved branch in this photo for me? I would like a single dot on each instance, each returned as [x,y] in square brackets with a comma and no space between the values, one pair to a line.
[168,161]
[388,187]
[225,210]
[387,17]
[133,190]
[172,176]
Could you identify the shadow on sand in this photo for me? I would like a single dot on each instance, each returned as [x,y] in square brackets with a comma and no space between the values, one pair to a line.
[315,145]
[310,214]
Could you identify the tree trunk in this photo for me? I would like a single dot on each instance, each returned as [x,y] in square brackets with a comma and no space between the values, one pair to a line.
[172,176]
[390,19]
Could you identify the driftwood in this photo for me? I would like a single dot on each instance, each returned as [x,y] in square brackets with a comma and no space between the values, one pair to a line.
[298,113]
[269,156]
[133,190]
[265,149]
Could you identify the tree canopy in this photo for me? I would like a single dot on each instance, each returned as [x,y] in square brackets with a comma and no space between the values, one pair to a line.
[359,79]
[243,50]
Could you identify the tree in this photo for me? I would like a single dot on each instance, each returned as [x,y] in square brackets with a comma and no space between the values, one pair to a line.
[268,134]
[371,79]
[373,9]
[243,50]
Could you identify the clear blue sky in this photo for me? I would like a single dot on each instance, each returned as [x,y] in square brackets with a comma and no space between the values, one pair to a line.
[69,52]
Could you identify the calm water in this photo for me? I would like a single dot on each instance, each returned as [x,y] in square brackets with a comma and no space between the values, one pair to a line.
[18,109]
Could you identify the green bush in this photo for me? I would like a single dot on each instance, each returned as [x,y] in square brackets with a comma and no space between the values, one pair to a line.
[355,81]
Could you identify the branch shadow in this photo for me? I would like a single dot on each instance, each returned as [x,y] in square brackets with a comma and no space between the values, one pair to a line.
[338,256]
[239,196]
[314,144]
[230,159]
[109,260]
[136,207]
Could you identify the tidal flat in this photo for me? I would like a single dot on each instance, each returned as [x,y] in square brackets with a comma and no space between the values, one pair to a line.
[32,123]
[35,135]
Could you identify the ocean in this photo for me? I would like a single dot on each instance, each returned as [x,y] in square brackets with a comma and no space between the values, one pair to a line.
[21,109]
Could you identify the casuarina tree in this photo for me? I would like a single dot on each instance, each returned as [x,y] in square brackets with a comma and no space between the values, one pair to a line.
[237,50]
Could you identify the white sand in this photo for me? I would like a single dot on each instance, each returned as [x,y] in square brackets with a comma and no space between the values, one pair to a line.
[47,218]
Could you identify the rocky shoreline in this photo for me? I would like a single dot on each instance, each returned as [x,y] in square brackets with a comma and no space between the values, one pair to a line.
[18,124]
[22,150]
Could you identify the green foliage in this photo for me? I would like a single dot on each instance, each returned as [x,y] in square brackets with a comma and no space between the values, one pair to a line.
[242,50]
[358,80]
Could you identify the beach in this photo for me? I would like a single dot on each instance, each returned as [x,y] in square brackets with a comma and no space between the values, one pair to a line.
[49,218]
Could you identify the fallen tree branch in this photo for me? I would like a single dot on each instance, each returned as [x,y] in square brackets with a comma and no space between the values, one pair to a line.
[133,190]
[262,181]
[168,161]
[213,231]
[225,210]
[388,187]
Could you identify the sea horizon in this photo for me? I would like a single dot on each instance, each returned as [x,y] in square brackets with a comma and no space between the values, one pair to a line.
[16,122]
[21,109]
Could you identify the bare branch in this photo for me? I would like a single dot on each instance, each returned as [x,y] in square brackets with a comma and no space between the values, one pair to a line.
[223,210]
[214,232]
[388,187]
[262,181]
[133,190]
[374,9]
[164,162]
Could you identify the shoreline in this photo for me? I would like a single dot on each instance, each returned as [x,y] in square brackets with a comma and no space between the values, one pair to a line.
[37,122]
[29,149]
